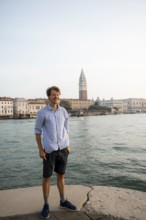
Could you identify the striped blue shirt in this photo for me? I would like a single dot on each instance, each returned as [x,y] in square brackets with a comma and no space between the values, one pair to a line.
[53,126]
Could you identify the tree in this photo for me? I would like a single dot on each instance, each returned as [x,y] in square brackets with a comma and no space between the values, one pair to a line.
[96,107]
[65,104]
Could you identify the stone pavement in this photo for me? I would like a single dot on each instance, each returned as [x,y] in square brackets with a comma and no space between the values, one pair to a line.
[60,216]
[53,216]
[95,203]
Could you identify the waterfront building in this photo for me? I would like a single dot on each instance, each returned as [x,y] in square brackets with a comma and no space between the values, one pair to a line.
[136,105]
[20,107]
[6,107]
[27,108]
[130,105]
[35,105]
[125,106]
[115,105]
[77,104]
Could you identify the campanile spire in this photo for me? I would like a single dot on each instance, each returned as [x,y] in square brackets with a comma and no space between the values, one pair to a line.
[82,86]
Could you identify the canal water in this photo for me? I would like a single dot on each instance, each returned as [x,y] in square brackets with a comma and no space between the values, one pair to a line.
[105,150]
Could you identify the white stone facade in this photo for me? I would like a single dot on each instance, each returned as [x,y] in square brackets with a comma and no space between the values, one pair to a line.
[136,105]
[35,105]
[6,107]
[115,105]
[21,108]
[131,105]
[28,108]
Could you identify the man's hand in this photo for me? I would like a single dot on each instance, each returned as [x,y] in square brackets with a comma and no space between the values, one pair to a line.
[42,154]
[68,149]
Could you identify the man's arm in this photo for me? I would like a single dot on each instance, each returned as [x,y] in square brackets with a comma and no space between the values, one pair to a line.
[67,128]
[39,143]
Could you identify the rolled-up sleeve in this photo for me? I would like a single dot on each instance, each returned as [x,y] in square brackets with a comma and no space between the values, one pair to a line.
[39,123]
[66,124]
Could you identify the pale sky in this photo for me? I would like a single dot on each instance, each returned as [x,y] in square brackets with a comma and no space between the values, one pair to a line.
[47,42]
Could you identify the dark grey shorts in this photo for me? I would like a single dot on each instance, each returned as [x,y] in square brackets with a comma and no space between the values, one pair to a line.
[57,161]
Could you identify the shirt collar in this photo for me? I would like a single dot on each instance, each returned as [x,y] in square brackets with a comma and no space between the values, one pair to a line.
[50,108]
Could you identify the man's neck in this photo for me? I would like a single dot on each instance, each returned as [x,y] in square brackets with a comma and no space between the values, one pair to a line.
[54,106]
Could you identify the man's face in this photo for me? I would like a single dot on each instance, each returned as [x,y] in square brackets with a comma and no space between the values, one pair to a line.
[54,97]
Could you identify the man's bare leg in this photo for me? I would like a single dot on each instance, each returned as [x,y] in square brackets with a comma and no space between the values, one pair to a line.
[46,189]
[61,184]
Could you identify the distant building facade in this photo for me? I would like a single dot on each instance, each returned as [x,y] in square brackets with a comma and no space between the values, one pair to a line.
[136,105]
[20,107]
[130,105]
[35,105]
[115,105]
[77,104]
[27,108]
[6,107]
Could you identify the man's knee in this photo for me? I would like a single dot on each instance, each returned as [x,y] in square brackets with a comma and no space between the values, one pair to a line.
[60,176]
[46,180]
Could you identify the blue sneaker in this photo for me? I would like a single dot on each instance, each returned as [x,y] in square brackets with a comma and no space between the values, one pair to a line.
[45,213]
[68,205]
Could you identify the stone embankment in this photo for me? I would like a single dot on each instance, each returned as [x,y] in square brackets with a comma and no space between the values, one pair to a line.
[95,203]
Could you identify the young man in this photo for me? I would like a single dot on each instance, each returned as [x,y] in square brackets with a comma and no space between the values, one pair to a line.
[52,123]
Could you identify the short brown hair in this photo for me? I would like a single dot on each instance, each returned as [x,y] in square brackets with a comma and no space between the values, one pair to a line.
[48,91]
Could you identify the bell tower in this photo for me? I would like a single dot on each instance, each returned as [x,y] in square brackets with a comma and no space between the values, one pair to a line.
[82,87]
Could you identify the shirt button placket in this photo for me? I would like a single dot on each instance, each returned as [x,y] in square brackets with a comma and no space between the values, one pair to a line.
[56,129]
